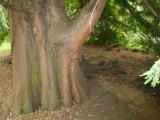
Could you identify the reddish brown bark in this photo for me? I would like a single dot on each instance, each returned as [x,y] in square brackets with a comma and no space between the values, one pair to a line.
[46,71]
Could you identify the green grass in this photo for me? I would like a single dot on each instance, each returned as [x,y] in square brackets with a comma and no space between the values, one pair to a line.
[5,46]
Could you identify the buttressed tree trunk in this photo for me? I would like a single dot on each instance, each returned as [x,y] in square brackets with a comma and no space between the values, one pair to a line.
[46,72]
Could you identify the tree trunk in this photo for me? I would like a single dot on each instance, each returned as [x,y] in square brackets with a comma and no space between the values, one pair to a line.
[46,71]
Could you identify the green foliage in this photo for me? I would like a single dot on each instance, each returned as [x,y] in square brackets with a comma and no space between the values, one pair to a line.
[127,23]
[102,34]
[152,76]
[4,28]
[72,8]
[136,26]
[5,46]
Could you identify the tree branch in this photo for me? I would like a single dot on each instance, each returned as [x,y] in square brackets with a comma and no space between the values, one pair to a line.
[86,21]
[154,30]
[151,8]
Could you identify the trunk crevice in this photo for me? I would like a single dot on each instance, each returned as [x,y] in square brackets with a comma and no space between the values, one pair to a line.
[46,71]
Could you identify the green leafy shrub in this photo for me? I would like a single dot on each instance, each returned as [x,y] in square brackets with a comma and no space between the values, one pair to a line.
[4,28]
[152,76]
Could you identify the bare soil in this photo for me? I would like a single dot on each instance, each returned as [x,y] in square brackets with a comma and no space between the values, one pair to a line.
[116,90]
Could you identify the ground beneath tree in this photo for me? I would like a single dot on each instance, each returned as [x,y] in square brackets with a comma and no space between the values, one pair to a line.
[116,90]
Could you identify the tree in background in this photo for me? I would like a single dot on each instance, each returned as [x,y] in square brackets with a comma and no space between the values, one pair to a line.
[46,71]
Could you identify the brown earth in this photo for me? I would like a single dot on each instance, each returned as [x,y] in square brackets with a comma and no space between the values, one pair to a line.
[116,90]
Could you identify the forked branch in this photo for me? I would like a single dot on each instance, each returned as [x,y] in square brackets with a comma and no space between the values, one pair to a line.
[87,20]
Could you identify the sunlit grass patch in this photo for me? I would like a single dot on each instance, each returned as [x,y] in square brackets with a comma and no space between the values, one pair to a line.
[5,46]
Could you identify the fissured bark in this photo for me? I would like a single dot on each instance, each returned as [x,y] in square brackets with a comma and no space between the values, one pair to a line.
[45,47]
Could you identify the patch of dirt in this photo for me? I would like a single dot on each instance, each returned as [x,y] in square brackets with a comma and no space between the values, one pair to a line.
[116,90]
[5,86]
